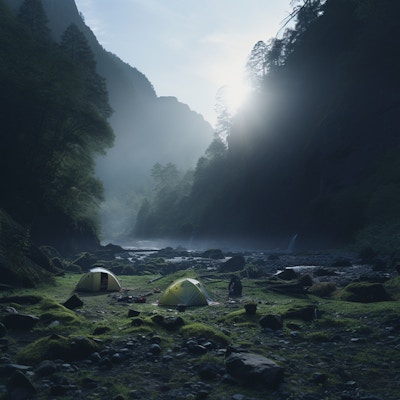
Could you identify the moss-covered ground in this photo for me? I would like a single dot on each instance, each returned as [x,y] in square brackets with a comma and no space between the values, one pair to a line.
[349,347]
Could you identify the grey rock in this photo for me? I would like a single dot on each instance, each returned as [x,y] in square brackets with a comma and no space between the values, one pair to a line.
[20,387]
[253,368]
[20,321]
[73,302]
[271,321]
[46,367]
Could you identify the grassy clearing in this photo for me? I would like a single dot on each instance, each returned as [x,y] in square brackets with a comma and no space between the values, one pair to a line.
[303,347]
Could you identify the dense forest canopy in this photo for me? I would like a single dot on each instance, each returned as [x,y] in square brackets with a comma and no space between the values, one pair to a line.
[54,110]
[315,150]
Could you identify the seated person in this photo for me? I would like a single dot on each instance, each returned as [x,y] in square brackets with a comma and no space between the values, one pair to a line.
[235,287]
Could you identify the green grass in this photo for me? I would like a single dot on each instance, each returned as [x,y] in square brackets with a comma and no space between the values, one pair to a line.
[300,344]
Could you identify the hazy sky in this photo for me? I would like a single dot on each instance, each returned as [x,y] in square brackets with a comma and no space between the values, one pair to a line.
[186,48]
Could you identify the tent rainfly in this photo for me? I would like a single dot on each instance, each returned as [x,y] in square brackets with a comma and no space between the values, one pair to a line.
[98,279]
[185,291]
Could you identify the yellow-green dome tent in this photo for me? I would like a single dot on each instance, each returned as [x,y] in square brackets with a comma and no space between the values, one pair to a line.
[98,279]
[185,291]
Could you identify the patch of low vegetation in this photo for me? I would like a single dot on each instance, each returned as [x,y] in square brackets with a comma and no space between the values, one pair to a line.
[23,299]
[58,347]
[200,330]
[322,339]
[322,289]
[319,336]
[51,311]
[392,286]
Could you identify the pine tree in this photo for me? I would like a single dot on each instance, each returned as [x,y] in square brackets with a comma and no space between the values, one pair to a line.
[75,46]
[33,16]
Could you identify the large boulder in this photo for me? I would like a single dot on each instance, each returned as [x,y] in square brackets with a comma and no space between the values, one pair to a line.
[20,387]
[20,321]
[304,313]
[249,368]
[235,263]
[364,292]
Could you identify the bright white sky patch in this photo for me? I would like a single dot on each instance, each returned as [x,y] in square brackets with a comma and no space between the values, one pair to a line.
[187,48]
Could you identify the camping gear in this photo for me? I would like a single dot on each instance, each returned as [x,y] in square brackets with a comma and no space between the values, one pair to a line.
[185,291]
[98,279]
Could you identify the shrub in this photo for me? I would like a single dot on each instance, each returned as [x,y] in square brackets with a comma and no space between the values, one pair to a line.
[322,289]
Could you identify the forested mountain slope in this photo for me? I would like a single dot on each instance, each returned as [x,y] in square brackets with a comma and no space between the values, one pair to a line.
[148,129]
[54,111]
[316,149]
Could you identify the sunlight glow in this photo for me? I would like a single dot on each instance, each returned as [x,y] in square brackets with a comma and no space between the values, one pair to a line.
[236,95]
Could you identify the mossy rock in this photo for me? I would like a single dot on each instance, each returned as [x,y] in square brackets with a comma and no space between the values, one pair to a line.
[304,313]
[364,292]
[392,286]
[58,347]
[241,317]
[199,330]
[101,330]
[322,289]
[53,311]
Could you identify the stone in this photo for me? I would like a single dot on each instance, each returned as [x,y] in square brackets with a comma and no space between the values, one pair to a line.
[198,349]
[215,254]
[3,330]
[155,349]
[20,321]
[250,308]
[210,371]
[73,302]
[365,292]
[172,323]
[307,313]
[61,390]
[271,321]
[46,367]
[250,368]
[235,263]
[20,387]
[288,274]
[133,313]
[137,322]
[100,330]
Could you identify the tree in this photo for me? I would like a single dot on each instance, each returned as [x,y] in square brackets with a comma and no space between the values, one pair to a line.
[217,149]
[224,116]
[75,46]
[257,63]
[32,15]
[164,176]
[51,131]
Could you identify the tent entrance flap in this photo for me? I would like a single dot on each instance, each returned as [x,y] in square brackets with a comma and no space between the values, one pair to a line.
[103,281]
[98,279]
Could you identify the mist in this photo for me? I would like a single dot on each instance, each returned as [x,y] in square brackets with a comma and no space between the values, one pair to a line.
[160,130]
